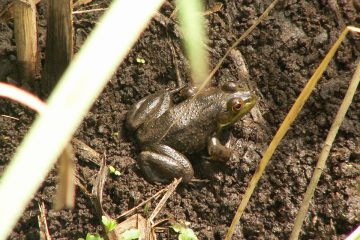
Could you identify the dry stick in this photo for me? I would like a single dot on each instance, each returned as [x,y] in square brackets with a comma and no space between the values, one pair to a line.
[295,109]
[147,225]
[87,153]
[59,42]
[98,188]
[97,196]
[90,10]
[180,82]
[170,189]
[25,36]
[65,191]
[325,153]
[43,226]
[131,211]
[6,116]
[7,11]
[215,8]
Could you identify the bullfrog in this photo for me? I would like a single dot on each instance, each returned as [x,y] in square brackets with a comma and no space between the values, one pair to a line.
[167,132]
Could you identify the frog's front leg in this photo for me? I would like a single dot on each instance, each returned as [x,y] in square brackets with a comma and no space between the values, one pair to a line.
[147,108]
[217,151]
[161,163]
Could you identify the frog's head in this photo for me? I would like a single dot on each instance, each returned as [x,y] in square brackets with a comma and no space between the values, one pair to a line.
[238,103]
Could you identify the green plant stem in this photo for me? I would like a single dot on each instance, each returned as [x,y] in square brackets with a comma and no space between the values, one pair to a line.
[193,28]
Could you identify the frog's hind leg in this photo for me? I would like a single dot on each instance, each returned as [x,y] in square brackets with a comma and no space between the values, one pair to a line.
[147,108]
[161,163]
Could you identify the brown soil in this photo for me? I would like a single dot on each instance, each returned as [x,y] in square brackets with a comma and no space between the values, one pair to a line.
[281,54]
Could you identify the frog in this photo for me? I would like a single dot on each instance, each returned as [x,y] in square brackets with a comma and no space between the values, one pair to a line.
[169,132]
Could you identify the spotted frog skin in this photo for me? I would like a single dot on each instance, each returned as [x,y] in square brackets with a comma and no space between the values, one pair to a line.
[167,132]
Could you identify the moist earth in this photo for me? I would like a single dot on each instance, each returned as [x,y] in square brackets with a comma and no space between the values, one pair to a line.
[280,55]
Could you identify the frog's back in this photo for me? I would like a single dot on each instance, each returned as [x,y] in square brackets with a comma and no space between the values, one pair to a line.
[195,125]
[185,127]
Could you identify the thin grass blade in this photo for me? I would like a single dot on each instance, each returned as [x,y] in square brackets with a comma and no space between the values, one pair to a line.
[325,153]
[294,111]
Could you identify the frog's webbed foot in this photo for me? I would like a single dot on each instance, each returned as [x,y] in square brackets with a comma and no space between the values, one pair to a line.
[161,163]
[147,108]
[217,151]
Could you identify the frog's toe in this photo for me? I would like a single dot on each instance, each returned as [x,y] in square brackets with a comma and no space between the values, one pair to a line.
[161,167]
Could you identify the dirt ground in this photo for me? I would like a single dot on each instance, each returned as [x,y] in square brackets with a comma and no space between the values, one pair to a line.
[281,54]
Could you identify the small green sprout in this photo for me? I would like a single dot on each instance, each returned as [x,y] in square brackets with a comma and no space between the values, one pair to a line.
[113,171]
[89,236]
[146,208]
[130,234]
[140,60]
[109,223]
[185,233]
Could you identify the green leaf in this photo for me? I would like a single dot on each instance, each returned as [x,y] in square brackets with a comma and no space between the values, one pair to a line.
[131,234]
[146,208]
[89,236]
[113,170]
[177,227]
[187,234]
[109,223]
[140,60]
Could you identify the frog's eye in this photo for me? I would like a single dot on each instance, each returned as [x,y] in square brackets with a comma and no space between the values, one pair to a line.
[235,104]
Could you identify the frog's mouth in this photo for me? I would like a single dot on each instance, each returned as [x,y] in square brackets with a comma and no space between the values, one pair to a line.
[236,108]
